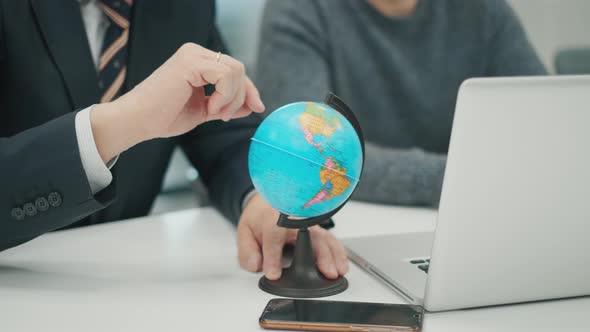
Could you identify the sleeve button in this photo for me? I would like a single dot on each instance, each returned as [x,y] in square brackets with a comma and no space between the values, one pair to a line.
[54,199]
[30,209]
[42,204]
[17,213]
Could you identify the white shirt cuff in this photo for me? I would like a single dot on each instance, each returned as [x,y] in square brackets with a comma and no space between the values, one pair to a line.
[98,174]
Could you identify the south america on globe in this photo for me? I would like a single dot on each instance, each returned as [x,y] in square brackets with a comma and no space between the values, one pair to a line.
[305,159]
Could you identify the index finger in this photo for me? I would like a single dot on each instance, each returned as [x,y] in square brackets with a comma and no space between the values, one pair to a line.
[273,241]
[253,100]
[248,249]
[226,85]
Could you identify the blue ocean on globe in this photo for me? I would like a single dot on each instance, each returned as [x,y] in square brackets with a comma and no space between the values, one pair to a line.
[305,159]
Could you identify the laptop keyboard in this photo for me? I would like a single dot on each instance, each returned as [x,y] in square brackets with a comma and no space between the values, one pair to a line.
[422,264]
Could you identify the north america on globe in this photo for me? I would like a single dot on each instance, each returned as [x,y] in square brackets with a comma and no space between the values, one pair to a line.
[305,159]
[315,122]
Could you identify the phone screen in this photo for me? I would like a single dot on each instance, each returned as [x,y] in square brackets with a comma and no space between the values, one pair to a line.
[350,313]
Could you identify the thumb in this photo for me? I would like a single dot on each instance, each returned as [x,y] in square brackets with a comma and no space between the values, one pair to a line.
[249,253]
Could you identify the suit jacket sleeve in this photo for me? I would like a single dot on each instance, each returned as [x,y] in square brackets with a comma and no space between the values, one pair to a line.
[219,151]
[41,168]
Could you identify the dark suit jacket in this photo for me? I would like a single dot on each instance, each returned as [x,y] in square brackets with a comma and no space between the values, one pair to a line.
[46,73]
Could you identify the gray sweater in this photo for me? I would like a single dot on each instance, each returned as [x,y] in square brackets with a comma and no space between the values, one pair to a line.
[399,75]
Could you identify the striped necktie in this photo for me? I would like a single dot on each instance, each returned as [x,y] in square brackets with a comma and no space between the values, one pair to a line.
[112,65]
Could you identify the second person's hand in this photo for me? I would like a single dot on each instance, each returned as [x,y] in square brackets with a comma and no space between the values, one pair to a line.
[261,242]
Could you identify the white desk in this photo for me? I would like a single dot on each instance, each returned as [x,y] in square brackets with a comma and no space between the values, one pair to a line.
[179,272]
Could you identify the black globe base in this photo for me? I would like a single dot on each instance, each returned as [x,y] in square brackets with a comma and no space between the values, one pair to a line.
[303,279]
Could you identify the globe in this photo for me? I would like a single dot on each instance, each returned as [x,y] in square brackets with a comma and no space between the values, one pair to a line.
[305,159]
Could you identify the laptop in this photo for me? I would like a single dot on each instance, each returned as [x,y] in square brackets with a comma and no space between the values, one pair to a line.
[514,217]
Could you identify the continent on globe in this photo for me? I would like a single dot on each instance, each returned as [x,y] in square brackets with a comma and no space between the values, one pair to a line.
[316,121]
[334,182]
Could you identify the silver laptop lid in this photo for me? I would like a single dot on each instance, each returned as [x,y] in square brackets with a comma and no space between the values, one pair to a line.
[514,218]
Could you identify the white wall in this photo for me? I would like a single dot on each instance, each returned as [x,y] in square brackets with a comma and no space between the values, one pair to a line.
[239,24]
[554,24]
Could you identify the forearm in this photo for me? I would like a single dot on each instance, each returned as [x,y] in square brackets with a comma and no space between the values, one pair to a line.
[116,128]
[230,185]
[44,163]
[399,176]
[219,151]
[41,174]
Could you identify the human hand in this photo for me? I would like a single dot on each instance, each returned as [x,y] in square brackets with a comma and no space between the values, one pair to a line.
[261,242]
[172,101]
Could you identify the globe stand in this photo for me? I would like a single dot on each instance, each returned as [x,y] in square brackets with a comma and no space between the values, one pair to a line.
[303,279]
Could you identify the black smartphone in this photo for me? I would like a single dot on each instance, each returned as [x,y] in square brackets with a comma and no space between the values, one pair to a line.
[317,315]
